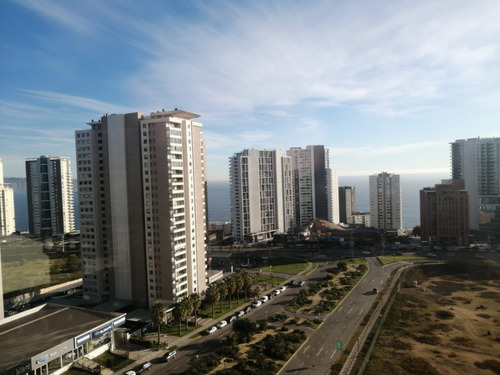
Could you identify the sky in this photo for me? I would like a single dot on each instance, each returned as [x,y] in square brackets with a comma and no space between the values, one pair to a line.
[386,85]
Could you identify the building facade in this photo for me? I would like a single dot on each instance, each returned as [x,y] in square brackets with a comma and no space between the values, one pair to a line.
[7,213]
[477,162]
[361,219]
[261,188]
[315,185]
[142,207]
[347,204]
[444,214]
[385,201]
[50,196]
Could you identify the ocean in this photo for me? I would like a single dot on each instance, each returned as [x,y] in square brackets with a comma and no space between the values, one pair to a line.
[219,208]
[219,205]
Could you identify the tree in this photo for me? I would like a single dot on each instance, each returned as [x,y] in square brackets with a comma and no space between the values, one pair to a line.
[244,329]
[195,304]
[188,310]
[231,287]
[178,314]
[238,279]
[417,232]
[342,266]
[222,288]
[212,296]
[158,312]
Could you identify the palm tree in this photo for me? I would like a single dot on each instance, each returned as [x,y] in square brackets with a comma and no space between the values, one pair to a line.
[238,279]
[222,287]
[158,312]
[178,314]
[212,296]
[188,310]
[231,287]
[248,281]
[195,303]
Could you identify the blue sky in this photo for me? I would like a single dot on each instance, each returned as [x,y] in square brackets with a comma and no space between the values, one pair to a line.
[387,85]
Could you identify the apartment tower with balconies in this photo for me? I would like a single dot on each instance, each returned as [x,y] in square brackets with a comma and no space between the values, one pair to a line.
[141,185]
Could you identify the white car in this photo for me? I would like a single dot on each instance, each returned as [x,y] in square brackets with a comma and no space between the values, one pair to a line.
[240,314]
[367,253]
[211,330]
[283,288]
[256,304]
[264,299]
[221,324]
[431,254]
[276,292]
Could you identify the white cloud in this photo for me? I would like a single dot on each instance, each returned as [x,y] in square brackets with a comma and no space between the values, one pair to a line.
[74,101]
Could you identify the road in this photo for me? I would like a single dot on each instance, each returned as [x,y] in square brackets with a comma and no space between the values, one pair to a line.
[320,351]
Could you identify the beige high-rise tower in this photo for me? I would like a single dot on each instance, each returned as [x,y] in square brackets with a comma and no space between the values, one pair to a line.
[142,207]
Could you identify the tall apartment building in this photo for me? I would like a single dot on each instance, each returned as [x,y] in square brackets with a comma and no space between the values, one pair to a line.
[50,196]
[261,187]
[141,185]
[7,214]
[385,201]
[444,213]
[347,203]
[315,185]
[477,162]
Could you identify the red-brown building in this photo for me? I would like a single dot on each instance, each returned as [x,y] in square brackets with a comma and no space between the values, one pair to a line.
[444,213]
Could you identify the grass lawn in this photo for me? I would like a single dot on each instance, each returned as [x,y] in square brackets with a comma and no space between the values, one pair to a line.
[355,260]
[398,258]
[269,280]
[290,266]
[112,361]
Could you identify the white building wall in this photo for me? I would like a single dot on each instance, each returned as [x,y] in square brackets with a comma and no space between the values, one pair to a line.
[7,213]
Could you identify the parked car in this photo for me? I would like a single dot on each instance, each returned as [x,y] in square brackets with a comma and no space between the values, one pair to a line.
[431,254]
[232,318]
[169,355]
[256,304]
[264,299]
[221,324]
[211,330]
[241,313]
[248,309]
[367,252]
[130,373]
[283,288]
[302,283]
[145,367]
[276,292]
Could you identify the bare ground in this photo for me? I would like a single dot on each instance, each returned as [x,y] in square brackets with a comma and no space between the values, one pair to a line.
[448,326]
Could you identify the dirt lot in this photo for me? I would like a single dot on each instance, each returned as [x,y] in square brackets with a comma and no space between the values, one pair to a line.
[449,324]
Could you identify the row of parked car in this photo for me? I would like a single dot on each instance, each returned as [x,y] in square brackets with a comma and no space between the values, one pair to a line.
[254,305]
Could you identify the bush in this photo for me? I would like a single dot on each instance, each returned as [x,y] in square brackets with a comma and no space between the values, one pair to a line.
[444,314]
[141,342]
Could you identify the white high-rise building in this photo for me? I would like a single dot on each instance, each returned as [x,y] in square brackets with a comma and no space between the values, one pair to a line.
[477,162]
[7,214]
[315,184]
[385,201]
[50,196]
[142,207]
[261,188]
